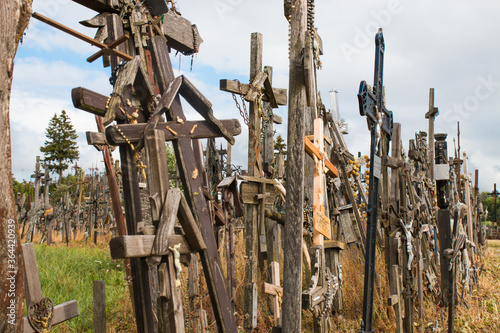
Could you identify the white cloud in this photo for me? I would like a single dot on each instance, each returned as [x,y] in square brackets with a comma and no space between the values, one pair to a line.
[447,45]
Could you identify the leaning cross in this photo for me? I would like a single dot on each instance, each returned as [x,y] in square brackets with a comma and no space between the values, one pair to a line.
[182,132]
[42,314]
[379,120]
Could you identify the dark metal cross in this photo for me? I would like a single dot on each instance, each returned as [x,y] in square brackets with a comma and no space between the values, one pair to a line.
[380,122]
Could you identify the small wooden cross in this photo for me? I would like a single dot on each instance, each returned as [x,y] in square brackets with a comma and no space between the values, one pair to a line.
[60,313]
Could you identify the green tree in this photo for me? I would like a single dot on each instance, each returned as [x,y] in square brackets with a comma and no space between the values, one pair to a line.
[280,145]
[489,202]
[60,148]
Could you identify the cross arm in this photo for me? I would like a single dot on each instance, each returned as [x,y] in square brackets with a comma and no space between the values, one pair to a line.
[79,35]
[172,129]
[311,150]
[432,113]
[87,100]
[367,101]
[233,86]
[203,106]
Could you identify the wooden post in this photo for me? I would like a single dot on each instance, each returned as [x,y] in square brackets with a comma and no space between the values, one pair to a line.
[395,300]
[275,290]
[99,289]
[251,222]
[292,277]
[431,115]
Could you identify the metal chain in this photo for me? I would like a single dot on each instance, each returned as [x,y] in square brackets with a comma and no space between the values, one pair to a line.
[243,111]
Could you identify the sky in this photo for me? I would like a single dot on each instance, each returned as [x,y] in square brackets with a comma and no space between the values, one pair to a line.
[446,45]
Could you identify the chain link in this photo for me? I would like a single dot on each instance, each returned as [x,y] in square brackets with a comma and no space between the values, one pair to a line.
[244,114]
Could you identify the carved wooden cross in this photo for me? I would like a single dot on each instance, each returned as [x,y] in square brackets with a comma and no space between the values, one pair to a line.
[43,314]
[182,131]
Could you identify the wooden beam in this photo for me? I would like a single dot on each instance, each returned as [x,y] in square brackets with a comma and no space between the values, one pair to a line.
[180,33]
[139,246]
[203,106]
[311,150]
[79,35]
[233,86]
[173,131]
[100,6]
[87,100]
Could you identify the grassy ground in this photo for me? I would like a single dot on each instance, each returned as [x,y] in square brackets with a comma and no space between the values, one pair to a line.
[67,272]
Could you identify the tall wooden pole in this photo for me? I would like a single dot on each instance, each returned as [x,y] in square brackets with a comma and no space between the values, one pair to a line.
[292,277]
[251,224]
[431,115]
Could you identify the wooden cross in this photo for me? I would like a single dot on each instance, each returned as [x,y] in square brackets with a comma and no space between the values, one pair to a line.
[321,223]
[58,313]
[38,177]
[259,89]
[182,132]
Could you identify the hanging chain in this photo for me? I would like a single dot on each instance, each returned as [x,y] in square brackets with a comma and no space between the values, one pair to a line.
[244,115]
[243,111]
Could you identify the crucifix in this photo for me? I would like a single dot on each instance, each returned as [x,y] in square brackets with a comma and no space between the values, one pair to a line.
[258,90]
[316,297]
[380,122]
[42,313]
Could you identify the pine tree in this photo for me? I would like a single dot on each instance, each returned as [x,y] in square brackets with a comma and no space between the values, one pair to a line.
[280,145]
[60,148]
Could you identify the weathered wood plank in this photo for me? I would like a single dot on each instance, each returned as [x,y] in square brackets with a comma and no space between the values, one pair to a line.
[180,33]
[249,192]
[87,100]
[203,106]
[292,275]
[173,130]
[140,246]
[33,289]
[234,86]
[100,6]
[99,292]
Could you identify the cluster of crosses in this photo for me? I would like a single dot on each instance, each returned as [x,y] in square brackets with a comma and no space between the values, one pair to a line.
[327,208]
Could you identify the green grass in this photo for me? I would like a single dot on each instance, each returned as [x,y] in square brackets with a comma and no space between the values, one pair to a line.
[67,273]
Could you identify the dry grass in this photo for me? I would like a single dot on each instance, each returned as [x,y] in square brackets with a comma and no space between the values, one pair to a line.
[479,311]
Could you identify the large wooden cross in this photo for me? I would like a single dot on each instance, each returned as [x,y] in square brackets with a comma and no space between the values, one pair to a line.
[258,90]
[182,132]
[43,314]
